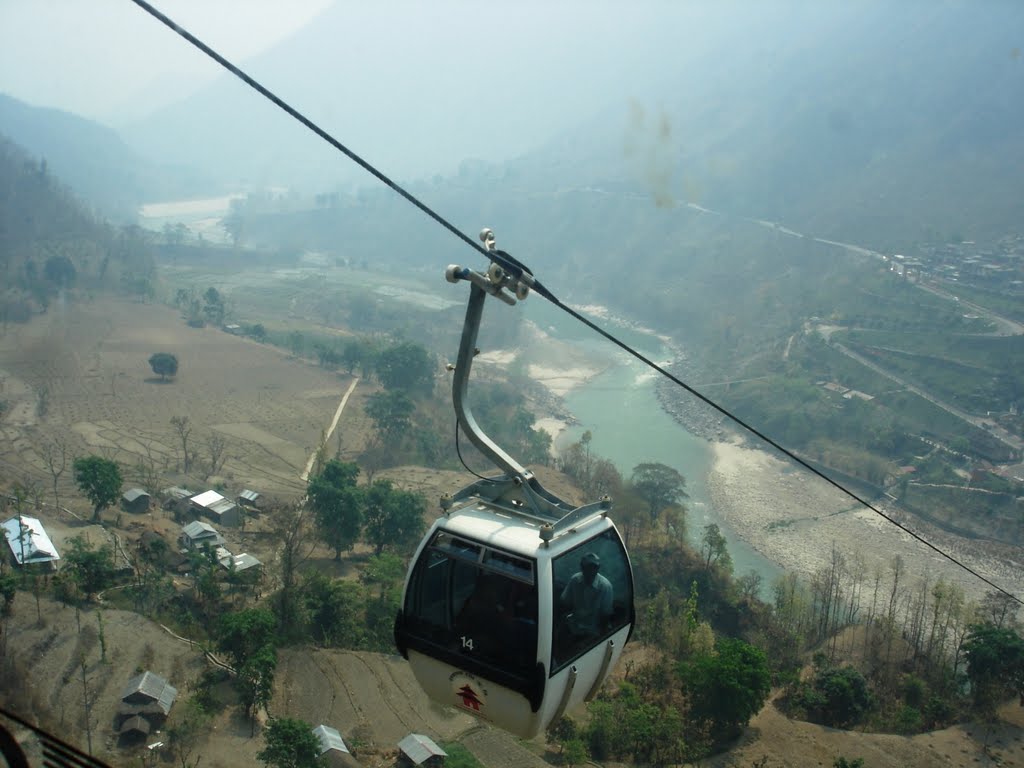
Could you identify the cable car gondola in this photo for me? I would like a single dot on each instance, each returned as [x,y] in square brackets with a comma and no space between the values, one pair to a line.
[517,604]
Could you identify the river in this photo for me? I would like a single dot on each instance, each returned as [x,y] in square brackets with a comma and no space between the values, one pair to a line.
[620,408]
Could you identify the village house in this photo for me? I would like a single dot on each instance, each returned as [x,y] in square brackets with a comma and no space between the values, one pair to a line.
[212,505]
[135,500]
[197,535]
[417,749]
[145,703]
[29,543]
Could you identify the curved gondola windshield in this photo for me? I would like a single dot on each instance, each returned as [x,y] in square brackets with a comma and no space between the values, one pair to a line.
[593,595]
[475,603]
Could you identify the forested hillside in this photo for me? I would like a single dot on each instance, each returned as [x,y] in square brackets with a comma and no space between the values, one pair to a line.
[50,243]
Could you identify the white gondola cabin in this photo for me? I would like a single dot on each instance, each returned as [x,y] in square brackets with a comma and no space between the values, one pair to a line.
[517,605]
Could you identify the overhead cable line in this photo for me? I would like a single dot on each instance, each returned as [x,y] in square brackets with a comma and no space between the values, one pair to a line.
[514,267]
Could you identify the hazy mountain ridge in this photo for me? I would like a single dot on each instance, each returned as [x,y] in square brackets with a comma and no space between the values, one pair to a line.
[94,161]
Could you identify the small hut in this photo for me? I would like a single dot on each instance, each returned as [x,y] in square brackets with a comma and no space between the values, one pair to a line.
[417,749]
[135,500]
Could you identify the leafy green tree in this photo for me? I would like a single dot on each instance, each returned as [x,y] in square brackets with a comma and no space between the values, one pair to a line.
[728,687]
[337,504]
[391,412]
[574,752]
[659,485]
[164,364]
[713,547]
[100,480]
[995,664]
[406,366]
[393,517]
[290,743]
[91,569]
[243,634]
[213,306]
[335,611]
[255,680]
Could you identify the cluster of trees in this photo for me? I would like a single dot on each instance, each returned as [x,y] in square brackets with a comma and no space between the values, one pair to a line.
[651,498]
[381,514]
[198,310]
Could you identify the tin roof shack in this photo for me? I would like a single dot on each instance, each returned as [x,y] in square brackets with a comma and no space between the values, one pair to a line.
[145,703]
[250,499]
[212,505]
[333,751]
[29,543]
[135,500]
[418,749]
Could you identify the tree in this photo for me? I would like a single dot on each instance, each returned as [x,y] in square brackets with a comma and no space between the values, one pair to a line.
[713,547]
[391,412]
[60,271]
[392,517]
[337,504]
[290,743]
[255,681]
[728,687]
[242,634]
[164,364]
[92,570]
[184,429]
[995,664]
[659,485]
[55,454]
[406,366]
[335,610]
[192,720]
[100,480]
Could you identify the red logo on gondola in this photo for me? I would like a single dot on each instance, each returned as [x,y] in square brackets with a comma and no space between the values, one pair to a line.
[470,699]
[470,692]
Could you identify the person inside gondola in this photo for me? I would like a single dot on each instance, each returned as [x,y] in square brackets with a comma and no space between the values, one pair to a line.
[587,600]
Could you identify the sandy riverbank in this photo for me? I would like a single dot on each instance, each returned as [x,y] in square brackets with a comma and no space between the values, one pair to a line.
[792,517]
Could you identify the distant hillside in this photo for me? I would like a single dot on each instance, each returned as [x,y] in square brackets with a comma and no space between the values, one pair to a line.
[93,160]
[886,124]
[50,243]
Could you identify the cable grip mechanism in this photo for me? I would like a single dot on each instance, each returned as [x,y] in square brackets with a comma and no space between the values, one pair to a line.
[496,280]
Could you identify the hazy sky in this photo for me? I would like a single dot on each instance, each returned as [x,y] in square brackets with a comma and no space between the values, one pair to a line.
[94,57]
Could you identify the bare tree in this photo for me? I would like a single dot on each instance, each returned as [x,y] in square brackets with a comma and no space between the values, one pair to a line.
[184,429]
[149,473]
[216,445]
[55,454]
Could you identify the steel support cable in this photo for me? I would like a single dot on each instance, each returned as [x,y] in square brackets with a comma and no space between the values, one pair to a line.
[516,268]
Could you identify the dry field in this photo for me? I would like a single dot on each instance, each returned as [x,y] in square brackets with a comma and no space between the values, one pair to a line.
[81,373]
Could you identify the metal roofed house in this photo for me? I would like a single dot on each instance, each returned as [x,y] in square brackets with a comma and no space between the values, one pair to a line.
[421,750]
[240,563]
[198,534]
[29,543]
[217,508]
[145,703]
[135,500]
